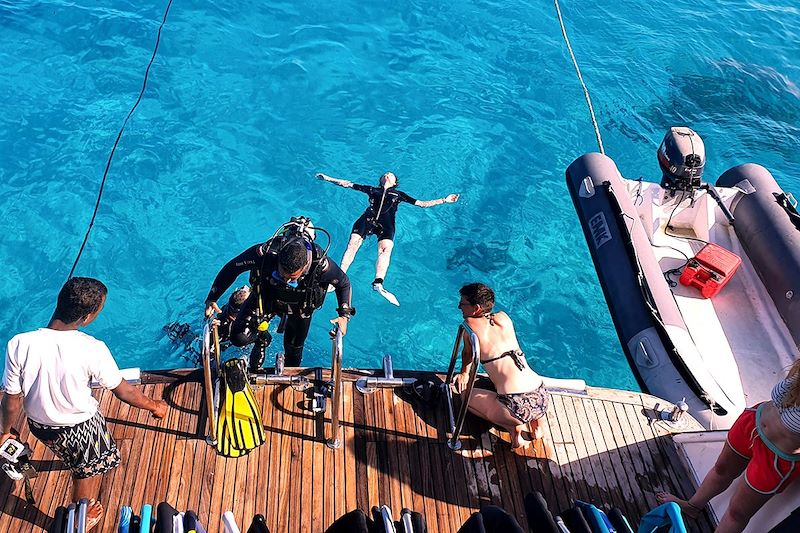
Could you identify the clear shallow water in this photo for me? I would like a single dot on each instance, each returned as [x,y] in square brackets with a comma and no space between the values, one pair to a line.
[247,100]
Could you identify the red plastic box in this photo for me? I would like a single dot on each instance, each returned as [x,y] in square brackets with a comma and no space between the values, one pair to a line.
[710,269]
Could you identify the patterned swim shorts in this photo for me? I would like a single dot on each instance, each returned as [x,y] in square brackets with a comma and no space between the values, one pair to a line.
[88,449]
[526,406]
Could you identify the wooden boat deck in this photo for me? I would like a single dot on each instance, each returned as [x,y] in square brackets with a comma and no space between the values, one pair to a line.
[601,447]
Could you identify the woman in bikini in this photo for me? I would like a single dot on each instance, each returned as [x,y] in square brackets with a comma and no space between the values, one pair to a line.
[520,400]
[764,443]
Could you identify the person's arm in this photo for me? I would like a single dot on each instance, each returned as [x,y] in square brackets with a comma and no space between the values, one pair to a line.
[103,368]
[341,183]
[243,262]
[449,199]
[12,388]
[335,276]
[461,380]
[10,409]
[133,396]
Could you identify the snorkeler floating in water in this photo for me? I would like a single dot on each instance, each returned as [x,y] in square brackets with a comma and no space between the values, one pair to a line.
[379,219]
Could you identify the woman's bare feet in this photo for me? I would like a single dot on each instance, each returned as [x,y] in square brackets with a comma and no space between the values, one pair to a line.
[94,514]
[536,428]
[519,440]
[687,508]
[524,434]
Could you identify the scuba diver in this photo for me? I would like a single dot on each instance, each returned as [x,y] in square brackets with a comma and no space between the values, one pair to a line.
[379,219]
[289,276]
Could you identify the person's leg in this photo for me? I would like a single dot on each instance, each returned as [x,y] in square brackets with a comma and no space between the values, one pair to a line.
[294,339]
[385,247]
[352,248]
[87,487]
[484,403]
[89,451]
[743,505]
[244,330]
[728,467]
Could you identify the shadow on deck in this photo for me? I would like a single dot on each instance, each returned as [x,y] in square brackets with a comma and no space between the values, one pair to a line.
[601,447]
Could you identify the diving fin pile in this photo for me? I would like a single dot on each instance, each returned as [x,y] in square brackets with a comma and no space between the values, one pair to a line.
[239,427]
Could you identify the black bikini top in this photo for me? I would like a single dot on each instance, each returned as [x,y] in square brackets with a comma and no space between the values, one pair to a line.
[516,355]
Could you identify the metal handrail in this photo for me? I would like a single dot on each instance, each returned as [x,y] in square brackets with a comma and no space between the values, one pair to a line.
[205,356]
[457,422]
[336,397]
[370,384]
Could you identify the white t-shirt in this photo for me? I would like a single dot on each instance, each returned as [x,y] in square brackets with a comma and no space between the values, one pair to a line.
[53,370]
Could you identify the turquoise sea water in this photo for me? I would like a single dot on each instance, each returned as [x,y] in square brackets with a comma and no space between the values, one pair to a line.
[247,100]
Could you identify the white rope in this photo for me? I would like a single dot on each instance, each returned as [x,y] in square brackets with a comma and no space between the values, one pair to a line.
[580,78]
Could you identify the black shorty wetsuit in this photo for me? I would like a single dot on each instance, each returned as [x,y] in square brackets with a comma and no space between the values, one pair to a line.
[278,299]
[372,223]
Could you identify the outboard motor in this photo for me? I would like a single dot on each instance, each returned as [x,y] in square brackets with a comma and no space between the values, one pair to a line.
[681,156]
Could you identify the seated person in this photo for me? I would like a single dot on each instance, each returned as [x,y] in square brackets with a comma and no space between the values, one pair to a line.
[379,219]
[520,400]
[764,443]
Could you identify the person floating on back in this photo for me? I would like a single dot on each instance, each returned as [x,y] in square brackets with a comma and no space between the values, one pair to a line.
[289,275]
[48,374]
[379,219]
[520,400]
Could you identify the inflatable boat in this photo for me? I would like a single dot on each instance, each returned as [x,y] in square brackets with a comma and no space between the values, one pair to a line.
[702,281]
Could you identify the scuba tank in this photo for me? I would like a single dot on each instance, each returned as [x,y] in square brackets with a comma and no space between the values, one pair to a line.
[285,298]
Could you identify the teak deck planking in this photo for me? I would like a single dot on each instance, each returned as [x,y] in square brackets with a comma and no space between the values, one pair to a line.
[600,447]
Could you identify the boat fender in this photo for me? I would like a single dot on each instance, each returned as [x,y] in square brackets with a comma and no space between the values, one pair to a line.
[229,523]
[540,519]
[571,385]
[353,522]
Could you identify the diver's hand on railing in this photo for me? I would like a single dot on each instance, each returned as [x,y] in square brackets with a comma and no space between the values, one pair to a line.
[341,322]
[211,308]
[460,382]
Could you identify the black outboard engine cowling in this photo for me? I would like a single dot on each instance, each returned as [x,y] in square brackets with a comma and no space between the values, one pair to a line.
[681,156]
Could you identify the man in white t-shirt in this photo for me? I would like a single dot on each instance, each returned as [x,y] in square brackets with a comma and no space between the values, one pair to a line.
[48,375]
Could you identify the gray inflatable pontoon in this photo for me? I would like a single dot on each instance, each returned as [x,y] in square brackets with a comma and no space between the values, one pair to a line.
[724,353]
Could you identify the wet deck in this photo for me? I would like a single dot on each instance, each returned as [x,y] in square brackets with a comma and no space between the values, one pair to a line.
[601,447]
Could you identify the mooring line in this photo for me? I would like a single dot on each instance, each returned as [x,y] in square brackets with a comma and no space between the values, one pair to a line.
[116,142]
[580,78]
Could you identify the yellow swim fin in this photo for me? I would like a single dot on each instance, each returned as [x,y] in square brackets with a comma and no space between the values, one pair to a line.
[239,427]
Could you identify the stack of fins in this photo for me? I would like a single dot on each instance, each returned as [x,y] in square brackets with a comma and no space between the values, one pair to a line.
[239,427]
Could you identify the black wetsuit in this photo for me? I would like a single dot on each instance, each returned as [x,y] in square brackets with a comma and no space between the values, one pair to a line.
[278,299]
[370,222]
